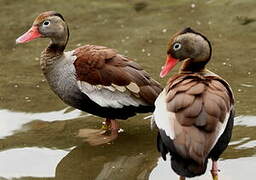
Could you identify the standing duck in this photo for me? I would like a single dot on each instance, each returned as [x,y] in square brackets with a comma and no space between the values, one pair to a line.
[195,111]
[94,79]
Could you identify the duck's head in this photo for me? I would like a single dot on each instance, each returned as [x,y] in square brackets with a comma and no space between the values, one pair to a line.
[187,45]
[49,24]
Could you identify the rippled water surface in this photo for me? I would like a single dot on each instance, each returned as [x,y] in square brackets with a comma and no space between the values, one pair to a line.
[38,133]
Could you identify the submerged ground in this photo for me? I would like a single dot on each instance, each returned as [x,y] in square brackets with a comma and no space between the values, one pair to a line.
[38,133]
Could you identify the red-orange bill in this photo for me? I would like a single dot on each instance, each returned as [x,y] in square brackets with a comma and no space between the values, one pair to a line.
[169,64]
[31,34]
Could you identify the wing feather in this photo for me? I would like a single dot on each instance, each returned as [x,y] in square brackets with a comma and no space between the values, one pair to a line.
[112,80]
[200,106]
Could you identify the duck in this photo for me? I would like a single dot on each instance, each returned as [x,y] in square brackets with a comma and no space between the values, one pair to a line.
[194,113]
[92,78]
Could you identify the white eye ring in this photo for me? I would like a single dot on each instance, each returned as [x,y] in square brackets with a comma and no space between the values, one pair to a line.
[46,23]
[176,46]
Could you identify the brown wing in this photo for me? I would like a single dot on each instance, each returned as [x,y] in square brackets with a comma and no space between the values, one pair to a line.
[201,106]
[101,66]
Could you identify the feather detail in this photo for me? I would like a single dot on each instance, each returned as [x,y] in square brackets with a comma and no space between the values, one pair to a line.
[200,106]
[103,74]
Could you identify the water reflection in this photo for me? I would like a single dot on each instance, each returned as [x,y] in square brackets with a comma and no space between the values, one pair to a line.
[12,121]
[247,145]
[106,162]
[34,162]
[140,34]
[248,121]
[231,169]
[132,156]
[116,161]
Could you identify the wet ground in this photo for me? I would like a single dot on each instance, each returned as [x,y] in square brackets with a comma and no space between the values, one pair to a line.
[38,133]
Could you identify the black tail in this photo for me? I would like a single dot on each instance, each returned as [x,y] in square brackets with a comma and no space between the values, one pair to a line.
[181,166]
[161,147]
[187,167]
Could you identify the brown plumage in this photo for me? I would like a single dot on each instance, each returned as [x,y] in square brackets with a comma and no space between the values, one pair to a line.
[94,79]
[195,111]
[98,65]
[200,103]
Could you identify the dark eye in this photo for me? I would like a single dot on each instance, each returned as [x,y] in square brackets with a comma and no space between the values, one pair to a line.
[176,46]
[46,23]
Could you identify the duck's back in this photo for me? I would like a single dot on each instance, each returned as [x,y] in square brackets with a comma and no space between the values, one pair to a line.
[192,114]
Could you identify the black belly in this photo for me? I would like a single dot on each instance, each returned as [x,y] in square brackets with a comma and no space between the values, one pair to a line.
[84,103]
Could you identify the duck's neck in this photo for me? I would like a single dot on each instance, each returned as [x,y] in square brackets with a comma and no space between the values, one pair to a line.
[55,49]
[192,66]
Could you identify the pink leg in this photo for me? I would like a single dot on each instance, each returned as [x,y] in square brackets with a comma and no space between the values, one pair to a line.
[114,129]
[214,170]
[106,134]
[114,124]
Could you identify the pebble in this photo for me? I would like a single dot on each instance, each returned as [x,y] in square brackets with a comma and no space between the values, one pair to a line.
[164,30]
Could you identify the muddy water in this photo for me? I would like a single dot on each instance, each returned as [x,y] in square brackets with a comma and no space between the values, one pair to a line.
[38,133]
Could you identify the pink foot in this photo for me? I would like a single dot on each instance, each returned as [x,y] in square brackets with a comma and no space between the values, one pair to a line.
[108,133]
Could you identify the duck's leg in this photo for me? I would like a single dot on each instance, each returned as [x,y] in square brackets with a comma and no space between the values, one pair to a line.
[214,170]
[182,178]
[107,133]
[114,125]
[114,128]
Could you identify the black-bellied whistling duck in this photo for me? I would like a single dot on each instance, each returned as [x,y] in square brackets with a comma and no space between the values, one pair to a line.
[94,79]
[195,111]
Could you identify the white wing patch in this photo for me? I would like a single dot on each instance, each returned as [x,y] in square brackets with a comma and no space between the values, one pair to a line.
[163,118]
[110,96]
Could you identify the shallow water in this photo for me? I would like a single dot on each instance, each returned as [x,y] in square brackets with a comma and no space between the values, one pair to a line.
[38,133]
